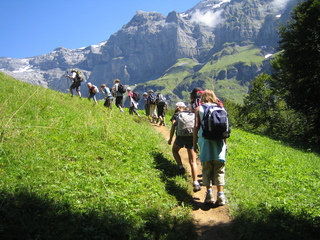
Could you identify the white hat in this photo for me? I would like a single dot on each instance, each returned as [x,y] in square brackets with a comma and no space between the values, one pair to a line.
[180,104]
[128,88]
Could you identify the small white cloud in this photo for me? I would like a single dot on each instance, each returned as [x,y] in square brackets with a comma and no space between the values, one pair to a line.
[280,4]
[210,19]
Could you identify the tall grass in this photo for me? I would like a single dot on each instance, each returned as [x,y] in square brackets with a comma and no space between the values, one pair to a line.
[274,188]
[71,170]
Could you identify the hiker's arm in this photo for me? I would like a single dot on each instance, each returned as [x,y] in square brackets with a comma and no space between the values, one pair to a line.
[173,127]
[196,130]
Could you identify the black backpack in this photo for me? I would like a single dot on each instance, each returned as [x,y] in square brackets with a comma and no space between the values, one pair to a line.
[136,96]
[122,88]
[215,124]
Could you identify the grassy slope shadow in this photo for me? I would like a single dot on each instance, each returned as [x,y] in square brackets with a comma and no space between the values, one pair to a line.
[169,170]
[277,224]
[25,215]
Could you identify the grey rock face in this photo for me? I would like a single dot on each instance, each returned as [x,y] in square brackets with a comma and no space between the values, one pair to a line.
[150,43]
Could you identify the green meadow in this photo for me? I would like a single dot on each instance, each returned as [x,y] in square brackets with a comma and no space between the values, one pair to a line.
[71,170]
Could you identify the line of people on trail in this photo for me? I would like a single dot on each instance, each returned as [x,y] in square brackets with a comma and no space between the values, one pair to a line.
[155,104]
[202,129]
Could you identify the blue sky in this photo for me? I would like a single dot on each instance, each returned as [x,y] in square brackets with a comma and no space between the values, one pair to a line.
[34,27]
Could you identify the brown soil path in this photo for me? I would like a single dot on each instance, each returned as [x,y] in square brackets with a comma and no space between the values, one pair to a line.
[212,222]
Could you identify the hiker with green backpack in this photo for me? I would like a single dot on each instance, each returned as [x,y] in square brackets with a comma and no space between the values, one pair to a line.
[76,79]
[183,124]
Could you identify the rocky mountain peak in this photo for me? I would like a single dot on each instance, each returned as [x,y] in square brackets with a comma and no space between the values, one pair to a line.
[150,43]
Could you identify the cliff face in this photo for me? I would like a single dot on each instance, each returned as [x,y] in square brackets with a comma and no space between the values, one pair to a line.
[150,43]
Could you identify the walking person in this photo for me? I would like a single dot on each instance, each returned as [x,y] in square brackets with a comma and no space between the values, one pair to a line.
[133,103]
[212,153]
[162,107]
[92,91]
[153,107]
[146,105]
[108,96]
[183,124]
[195,98]
[76,82]
[118,94]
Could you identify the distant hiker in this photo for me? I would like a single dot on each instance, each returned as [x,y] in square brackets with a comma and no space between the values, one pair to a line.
[152,105]
[195,97]
[92,91]
[76,82]
[183,124]
[162,107]
[146,106]
[133,102]
[118,94]
[108,96]
[212,153]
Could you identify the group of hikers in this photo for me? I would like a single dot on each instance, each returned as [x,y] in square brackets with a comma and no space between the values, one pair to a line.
[154,105]
[201,128]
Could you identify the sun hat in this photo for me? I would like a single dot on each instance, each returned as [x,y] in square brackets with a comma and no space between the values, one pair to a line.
[128,88]
[180,104]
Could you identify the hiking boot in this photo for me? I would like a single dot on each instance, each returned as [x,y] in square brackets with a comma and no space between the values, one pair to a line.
[196,187]
[209,198]
[222,199]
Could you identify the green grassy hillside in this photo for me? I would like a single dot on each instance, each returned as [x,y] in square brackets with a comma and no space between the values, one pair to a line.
[71,170]
[229,73]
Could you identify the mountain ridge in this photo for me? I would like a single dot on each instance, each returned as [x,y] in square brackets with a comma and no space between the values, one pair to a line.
[151,43]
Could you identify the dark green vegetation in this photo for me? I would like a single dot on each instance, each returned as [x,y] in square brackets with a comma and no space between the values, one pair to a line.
[73,171]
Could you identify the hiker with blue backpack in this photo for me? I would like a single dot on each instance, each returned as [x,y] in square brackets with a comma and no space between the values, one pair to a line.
[118,90]
[182,125]
[211,128]
[108,96]
[152,117]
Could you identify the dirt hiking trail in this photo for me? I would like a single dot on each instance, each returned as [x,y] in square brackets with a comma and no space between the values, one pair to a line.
[211,221]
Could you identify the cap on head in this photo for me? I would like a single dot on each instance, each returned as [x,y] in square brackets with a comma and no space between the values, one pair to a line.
[180,104]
